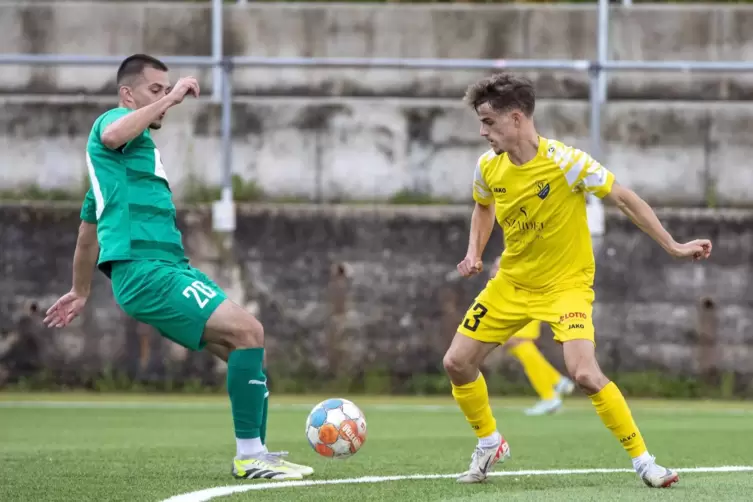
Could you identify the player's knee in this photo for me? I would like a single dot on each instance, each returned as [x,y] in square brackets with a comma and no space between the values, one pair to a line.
[459,369]
[589,380]
[248,335]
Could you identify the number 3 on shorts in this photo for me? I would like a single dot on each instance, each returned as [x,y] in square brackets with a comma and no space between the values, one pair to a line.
[480,312]
[201,292]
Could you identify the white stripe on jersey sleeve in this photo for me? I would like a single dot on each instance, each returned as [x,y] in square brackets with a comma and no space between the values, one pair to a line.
[581,171]
[98,197]
[481,191]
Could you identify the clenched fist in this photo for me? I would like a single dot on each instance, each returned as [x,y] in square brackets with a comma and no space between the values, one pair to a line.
[471,265]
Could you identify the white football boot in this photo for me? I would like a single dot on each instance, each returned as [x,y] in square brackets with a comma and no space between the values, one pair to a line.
[482,461]
[564,387]
[545,407]
[656,476]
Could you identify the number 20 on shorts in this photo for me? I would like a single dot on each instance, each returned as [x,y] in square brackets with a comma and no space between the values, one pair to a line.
[480,312]
[201,293]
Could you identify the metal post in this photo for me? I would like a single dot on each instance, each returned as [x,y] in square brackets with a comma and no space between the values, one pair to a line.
[227,127]
[598,96]
[595,208]
[602,46]
[223,211]
[217,50]
[595,111]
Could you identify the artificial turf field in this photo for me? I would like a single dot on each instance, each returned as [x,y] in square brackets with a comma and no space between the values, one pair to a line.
[81,447]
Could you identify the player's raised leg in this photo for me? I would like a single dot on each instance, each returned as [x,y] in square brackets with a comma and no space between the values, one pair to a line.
[233,327]
[188,308]
[548,383]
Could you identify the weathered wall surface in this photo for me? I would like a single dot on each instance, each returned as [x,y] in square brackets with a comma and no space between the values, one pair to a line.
[344,290]
[332,135]
[650,32]
[679,153]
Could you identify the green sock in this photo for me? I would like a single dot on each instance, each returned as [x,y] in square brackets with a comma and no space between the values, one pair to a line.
[263,430]
[246,385]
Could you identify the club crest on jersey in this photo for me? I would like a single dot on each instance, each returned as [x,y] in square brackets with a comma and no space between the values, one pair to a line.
[542,189]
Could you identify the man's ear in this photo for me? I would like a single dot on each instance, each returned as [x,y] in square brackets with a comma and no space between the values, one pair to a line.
[125,93]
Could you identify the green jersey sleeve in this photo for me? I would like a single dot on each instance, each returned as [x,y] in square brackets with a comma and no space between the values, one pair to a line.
[89,208]
[110,117]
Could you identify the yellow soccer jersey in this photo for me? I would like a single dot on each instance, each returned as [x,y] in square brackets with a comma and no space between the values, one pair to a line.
[541,207]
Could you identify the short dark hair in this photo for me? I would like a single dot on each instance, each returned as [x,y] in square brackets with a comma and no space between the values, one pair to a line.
[503,92]
[134,65]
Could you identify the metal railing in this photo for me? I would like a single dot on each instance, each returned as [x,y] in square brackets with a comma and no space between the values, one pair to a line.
[223,67]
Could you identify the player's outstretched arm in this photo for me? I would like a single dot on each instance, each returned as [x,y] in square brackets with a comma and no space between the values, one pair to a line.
[482,224]
[84,260]
[133,124]
[644,217]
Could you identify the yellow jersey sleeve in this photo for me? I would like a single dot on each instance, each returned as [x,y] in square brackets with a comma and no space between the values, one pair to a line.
[481,191]
[581,171]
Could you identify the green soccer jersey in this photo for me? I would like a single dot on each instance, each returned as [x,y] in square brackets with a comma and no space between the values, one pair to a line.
[130,199]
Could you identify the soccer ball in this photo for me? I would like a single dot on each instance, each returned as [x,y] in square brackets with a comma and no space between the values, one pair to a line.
[336,428]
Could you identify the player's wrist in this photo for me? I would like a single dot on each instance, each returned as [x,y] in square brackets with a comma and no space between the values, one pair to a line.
[81,292]
[671,246]
[166,102]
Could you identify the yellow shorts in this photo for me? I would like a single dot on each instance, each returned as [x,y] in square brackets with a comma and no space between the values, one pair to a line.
[531,331]
[501,310]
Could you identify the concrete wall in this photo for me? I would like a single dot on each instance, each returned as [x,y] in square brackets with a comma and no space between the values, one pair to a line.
[390,140]
[343,290]
[372,288]
[680,153]
[650,32]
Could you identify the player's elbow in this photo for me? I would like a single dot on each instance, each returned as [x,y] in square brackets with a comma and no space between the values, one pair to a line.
[623,198]
[484,210]
[110,138]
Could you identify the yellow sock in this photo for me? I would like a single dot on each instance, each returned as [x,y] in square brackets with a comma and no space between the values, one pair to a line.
[540,372]
[473,399]
[614,412]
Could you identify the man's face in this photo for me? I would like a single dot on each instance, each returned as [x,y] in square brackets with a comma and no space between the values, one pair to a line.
[145,89]
[500,129]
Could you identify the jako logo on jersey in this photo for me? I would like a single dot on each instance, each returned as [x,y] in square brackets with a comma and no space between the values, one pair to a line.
[542,189]
[573,315]
[576,326]
[500,190]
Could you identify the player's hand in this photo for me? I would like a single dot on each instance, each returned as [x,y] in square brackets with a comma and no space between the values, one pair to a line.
[185,86]
[699,249]
[65,310]
[470,265]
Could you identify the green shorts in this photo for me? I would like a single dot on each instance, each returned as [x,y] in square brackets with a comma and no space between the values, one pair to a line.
[175,298]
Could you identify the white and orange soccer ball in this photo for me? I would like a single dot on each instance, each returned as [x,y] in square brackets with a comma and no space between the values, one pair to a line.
[336,428]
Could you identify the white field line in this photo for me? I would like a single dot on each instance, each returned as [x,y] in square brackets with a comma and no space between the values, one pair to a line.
[398,407]
[221,491]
